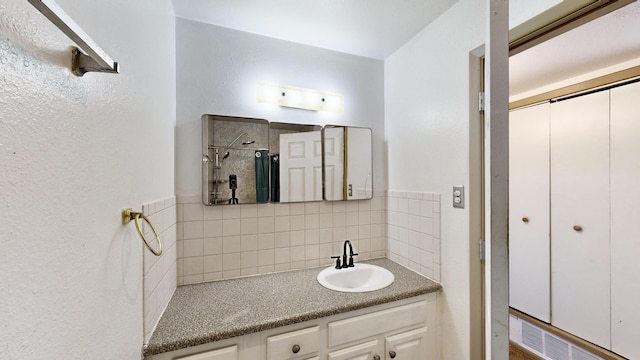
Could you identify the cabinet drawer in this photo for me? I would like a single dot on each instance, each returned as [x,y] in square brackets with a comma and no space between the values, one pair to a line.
[228,353]
[293,344]
[368,325]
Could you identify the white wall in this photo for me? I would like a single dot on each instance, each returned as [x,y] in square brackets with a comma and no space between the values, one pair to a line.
[75,152]
[427,112]
[218,73]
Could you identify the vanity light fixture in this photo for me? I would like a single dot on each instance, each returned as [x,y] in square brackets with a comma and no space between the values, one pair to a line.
[299,98]
[93,58]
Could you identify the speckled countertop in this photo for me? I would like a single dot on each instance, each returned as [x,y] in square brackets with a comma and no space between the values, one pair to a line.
[202,313]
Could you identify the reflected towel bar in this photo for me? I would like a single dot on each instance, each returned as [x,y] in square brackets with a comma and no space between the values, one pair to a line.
[95,59]
[128,215]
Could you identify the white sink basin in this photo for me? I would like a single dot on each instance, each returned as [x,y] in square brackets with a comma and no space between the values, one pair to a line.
[360,278]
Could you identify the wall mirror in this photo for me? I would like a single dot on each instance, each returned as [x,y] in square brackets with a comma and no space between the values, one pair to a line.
[347,163]
[235,160]
[253,161]
[296,162]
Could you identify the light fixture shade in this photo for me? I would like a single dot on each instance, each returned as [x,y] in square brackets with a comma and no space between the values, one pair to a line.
[299,98]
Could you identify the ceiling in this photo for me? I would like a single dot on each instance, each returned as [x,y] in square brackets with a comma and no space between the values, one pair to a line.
[377,28]
[370,28]
[606,41]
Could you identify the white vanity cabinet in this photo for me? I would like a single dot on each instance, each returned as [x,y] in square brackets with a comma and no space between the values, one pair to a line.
[295,344]
[227,353]
[404,329]
[397,333]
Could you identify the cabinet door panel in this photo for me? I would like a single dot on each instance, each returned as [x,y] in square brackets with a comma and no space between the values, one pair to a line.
[409,345]
[580,197]
[364,351]
[228,353]
[529,253]
[293,344]
[625,212]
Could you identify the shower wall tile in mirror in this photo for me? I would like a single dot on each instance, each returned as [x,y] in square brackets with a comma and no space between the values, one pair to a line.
[221,242]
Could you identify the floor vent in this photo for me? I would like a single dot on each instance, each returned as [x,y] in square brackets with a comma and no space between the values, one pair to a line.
[545,344]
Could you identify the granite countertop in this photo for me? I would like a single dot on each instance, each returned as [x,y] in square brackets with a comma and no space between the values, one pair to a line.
[202,313]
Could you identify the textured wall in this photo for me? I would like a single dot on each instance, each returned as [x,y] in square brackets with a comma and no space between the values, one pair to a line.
[74,152]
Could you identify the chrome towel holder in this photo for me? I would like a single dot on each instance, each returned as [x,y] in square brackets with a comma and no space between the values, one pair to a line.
[128,215]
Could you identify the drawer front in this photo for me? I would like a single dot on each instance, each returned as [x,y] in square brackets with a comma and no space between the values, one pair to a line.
[369,325]
[293,344]
[228,353]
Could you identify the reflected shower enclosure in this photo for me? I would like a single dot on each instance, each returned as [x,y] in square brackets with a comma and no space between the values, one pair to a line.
[235,160]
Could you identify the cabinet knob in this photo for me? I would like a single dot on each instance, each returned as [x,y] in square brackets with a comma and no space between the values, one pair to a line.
[577,228]
[392,354]
[295,349]
[376,357]
[525,219]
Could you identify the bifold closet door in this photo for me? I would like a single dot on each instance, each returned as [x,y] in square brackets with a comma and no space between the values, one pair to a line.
[580,271]
[625,219]
[529,267]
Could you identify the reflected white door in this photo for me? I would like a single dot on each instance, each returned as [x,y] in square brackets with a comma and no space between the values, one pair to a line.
[301,167]
[334,163]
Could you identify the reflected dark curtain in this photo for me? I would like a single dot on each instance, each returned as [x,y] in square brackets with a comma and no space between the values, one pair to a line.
[275,178]
[262,176]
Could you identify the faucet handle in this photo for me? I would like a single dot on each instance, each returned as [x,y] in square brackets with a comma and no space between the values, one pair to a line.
[337,261]
[351,259]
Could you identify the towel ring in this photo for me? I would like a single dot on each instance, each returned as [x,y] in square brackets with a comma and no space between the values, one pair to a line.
[128,215]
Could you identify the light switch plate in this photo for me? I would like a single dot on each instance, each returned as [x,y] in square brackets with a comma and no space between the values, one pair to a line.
[458,196]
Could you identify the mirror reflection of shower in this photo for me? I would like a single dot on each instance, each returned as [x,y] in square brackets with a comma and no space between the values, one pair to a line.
[218,161]
[219,156]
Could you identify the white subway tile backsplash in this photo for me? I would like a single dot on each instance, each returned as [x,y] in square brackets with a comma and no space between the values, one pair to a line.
[248,239]
[193,247]
[413,231]
[266,241]
[249,226]
[230,261]
[192,212]
[212,228]
[266,225]
[249,211]
[248,243]
[212,212]
[231,212]
[160,272]
[282,239]
[312,208]
[193,230]
[212,246]
[282,223]
[312,221]
[231,227]
[231,244]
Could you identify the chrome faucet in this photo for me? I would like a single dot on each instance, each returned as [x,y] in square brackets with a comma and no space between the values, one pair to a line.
[346,264]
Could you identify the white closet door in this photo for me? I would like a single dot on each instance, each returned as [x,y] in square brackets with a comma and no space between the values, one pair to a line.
[625,215]
[529,258]
[580,283]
